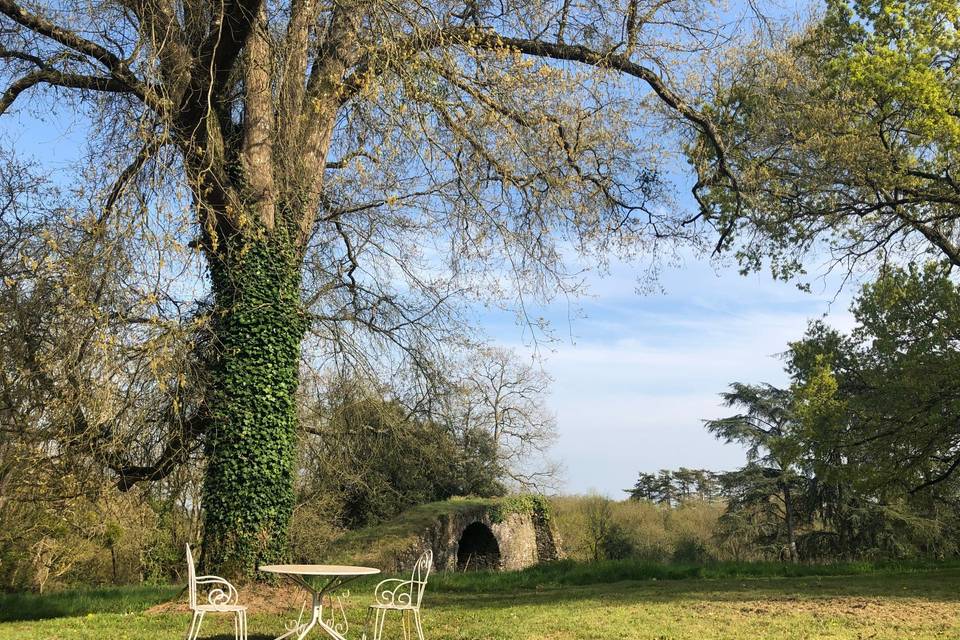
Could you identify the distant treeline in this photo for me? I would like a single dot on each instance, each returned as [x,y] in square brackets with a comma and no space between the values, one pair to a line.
[698,515]
[673,487]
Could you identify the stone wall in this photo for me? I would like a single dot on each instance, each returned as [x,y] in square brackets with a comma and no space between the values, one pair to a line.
[524,540]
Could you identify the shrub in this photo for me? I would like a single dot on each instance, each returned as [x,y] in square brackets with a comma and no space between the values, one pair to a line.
[691,551]
[617,543]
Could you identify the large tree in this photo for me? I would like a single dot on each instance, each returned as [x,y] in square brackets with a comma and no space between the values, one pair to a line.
[896,380]
[769,430]
[872,427]
[504,398]
[348,171]
[843,138]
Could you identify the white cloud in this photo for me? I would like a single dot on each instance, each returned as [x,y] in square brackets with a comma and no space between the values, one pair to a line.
[631,390]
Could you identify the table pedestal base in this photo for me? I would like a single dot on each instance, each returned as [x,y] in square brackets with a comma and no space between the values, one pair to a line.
[334,628]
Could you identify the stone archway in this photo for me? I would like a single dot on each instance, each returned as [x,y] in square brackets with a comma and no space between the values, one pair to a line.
[478,548]
[464,534]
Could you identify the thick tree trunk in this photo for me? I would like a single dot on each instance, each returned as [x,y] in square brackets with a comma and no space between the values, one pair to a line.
[259,325]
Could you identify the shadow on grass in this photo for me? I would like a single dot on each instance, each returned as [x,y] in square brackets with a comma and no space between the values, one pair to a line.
[931,586]
[17,607]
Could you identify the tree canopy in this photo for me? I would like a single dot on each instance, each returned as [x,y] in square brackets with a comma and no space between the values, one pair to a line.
[346,176]
[843,138]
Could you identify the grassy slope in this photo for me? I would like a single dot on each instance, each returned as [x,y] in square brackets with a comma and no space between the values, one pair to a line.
[921,605]
[371,544]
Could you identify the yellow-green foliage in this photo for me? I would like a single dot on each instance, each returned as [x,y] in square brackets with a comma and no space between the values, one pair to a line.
[894,52]
[82,540]
[649,531]
[524,503]
[313,527]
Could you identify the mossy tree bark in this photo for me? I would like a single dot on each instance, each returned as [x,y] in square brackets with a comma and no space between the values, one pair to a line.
[259,325]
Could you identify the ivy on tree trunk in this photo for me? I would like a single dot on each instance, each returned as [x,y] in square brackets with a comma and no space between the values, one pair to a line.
[250,446]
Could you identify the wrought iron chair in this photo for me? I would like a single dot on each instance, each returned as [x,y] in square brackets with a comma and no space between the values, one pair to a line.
[221,598]
[404,596]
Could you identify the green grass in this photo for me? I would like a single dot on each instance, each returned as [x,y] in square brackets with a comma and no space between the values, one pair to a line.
[570,573]
[78,602]
[874,602]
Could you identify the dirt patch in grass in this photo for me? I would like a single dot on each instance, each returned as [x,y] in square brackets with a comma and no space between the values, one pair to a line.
[265,599]
[259,598]
[872,610]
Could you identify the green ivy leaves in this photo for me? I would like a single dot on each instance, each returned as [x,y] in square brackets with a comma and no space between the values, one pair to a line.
[248,489]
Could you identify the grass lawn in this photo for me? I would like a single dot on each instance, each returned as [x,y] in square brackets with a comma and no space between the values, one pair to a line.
[916,605]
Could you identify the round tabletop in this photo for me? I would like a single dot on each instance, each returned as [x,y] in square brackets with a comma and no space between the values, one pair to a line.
[319,569]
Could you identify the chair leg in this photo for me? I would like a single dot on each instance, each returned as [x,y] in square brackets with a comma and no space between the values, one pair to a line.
[382,617]
[236,625]
[366,624]
[194,632]
[403,623]
[193,623]
[243,625]
[375,614]
[418,625]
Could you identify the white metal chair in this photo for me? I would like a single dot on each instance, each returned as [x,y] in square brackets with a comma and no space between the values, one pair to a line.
[404,596]
[221,598]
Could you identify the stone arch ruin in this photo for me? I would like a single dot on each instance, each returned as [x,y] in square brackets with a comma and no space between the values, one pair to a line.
[481,537]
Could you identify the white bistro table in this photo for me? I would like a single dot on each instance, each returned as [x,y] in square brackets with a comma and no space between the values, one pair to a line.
[335,576]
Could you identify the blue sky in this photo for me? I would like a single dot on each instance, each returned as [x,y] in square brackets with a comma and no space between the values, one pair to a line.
[635,375]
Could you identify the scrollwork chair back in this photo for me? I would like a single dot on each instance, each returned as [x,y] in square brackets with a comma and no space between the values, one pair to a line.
[403,596]
[192,577]
[418,580]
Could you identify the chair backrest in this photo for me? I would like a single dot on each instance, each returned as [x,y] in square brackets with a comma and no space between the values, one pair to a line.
[192,579]
[418,581]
